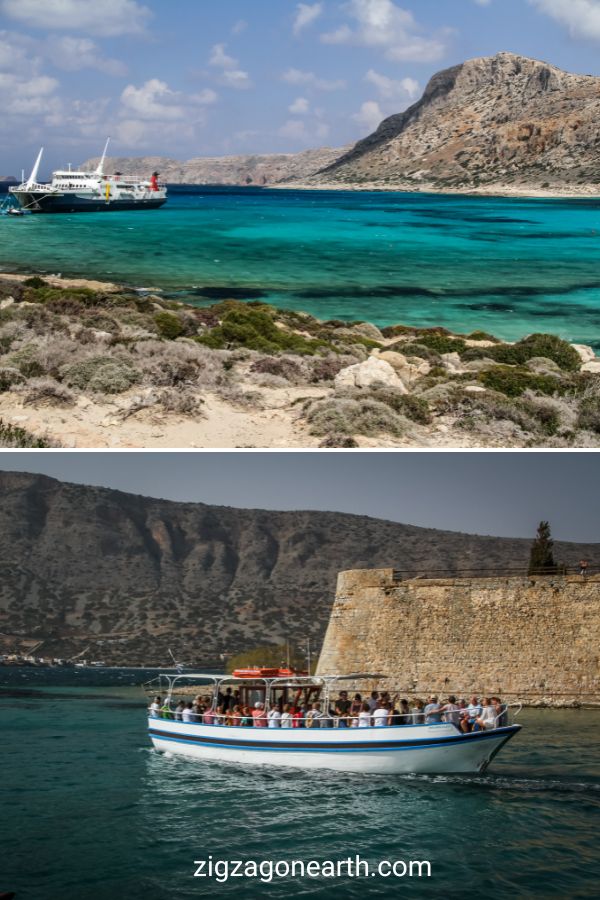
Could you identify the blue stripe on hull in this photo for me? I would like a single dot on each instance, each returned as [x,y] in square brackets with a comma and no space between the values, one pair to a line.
[330,748]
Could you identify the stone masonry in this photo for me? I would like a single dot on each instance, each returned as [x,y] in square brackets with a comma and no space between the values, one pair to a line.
[534,638]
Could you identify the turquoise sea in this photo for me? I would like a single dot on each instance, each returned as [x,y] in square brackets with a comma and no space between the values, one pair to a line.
[509,266]
[90,812]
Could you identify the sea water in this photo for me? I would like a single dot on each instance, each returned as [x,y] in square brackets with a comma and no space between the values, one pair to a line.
[91,812]
[508,266]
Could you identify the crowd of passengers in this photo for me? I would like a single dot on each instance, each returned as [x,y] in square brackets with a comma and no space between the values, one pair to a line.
[378,710]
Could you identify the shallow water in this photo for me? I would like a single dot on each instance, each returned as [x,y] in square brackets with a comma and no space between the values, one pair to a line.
[90,812]
[509,266]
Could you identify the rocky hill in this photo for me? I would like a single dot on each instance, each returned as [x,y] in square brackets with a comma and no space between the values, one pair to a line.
[244,170]
[131,576]
[500,121]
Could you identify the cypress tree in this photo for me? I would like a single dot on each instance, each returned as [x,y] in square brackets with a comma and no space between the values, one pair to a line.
[541,558]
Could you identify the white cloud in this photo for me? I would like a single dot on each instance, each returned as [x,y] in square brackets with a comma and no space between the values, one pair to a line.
[73,54]
[108,17]
[300,107]
[482,2]
[236,78]
[297,76]
[580,17]
[231,75]
[369,116]
[392,89]
[239,27]
[220,59]
[155,101]
[383,24]
[306,14]
[205,97]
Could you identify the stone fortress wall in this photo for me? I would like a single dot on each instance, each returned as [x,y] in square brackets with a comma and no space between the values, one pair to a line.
[532,638]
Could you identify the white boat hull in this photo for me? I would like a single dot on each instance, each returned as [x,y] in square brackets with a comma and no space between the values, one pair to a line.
[416,749]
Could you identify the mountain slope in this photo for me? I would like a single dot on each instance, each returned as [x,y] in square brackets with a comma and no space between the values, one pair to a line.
[132,576]
[504,119]
[244,170]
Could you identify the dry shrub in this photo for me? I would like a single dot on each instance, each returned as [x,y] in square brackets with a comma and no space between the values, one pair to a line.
[281,366]
[181,402]
[102,375]
[327,367]
[46,392]
[9,377]
[347,417]
[339,441]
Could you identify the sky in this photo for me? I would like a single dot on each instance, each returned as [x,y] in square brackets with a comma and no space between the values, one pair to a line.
[502,494]
[192,78]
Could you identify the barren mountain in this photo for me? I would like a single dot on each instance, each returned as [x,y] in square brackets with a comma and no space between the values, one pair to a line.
[131,576]
[250,170]
[504,120]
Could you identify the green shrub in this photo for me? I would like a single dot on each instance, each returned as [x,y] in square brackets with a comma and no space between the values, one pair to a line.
[13,436]
[348,416]
[513,381]
[338,441]
[414,408]
[544,345]
[8,377]
[482,336]
[35,282]
[25,360]
[101,374]
[244,326]
[589,414]
[442,343]
[415,348]
[169,326]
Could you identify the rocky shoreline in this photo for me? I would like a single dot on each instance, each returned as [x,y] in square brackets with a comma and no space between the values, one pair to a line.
[87,364]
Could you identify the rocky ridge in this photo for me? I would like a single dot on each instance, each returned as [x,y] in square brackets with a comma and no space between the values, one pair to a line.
[490,121]
[258,170]
[131,576]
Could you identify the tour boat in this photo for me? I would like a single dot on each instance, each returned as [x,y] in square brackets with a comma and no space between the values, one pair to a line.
[390,749]
[76,191]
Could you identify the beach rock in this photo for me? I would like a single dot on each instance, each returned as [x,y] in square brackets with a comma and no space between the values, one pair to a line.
[541,365]
[406,369]
[101,336]
[452,362]
[474,389]
[368,373]
[592,366]
[479,365]
[4,304]
[586,353]
[472,343]
[366,329]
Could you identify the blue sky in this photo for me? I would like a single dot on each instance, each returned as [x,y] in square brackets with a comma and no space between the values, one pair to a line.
[504,494]
[196,77]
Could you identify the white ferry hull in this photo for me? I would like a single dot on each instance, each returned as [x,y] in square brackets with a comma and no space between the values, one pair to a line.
[74,203]
[433,749]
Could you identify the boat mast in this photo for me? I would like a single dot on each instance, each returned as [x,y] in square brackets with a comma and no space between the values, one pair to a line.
[34,172]
[100,169]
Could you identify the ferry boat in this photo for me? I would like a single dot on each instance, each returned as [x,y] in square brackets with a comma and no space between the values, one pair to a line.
[410,748]
[77,191]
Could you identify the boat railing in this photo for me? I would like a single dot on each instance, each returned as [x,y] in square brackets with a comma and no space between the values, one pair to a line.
[324,720]
[34,186]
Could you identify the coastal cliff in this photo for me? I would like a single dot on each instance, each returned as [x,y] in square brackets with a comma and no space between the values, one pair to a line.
[131,576]
[497,121]
[252,170]
[529,638]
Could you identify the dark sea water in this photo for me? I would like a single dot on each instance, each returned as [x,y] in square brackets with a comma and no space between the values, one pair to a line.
[90,812]
[509,266]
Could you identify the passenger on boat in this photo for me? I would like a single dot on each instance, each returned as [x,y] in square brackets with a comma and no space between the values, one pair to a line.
[274,716]
[500,710]
[208,717]
[299,715]
[418,712]
[179,711]
[188,715]
[404,717]
[287,716]
[381,715]
[364,716]
[373,701]
[433,711]
[155,708]
[259,715]
[451,711]
[314,718]
[474,710]
[487,718]
[356,705]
